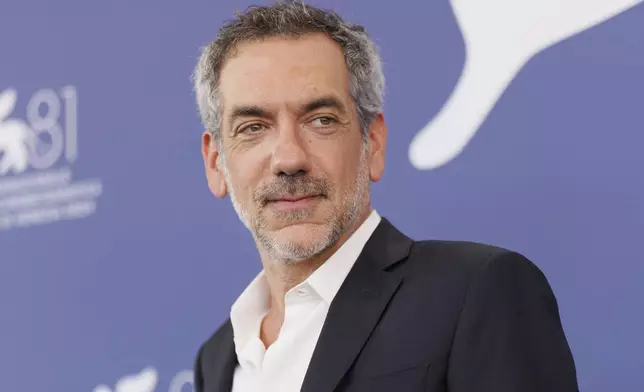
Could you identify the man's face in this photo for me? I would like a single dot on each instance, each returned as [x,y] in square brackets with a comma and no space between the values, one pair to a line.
[292,154]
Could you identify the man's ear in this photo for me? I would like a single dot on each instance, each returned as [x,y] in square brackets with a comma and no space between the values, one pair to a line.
[377,147]
[214,173]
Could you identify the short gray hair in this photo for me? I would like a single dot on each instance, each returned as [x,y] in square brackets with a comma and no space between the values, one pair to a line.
[291,19]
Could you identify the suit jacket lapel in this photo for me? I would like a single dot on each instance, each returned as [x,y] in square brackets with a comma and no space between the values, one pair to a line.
[357,307]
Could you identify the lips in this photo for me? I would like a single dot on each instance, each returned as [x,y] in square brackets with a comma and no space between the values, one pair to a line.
[295,198]
[293,202]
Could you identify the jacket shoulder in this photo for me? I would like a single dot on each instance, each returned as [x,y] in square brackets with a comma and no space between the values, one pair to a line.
[457,254]
[214,357]
[216,342]
[462,260]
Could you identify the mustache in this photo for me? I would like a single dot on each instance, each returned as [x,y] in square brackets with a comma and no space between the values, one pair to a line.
[296,185]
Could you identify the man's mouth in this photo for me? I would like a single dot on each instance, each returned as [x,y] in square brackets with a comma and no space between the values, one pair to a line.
[294,198]
[290,202]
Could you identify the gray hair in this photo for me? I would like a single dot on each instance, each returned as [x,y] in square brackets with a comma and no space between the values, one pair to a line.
[291,19]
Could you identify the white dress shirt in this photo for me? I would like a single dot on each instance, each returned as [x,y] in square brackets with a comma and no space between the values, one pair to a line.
[283,366]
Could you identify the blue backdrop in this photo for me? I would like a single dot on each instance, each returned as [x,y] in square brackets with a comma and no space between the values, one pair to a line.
[116,261]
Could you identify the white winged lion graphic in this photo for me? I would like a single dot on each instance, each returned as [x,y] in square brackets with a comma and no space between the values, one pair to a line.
[16,137]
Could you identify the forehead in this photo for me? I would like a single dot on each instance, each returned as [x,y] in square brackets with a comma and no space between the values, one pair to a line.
[279,70]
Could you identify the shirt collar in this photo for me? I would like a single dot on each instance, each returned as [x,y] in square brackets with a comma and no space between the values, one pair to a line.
[249,309]
[327,278]
[252,305]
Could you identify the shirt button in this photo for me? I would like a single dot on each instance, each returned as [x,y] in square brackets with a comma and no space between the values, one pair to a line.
[301,292]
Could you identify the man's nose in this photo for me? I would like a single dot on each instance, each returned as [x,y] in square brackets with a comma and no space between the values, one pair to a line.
[290,154]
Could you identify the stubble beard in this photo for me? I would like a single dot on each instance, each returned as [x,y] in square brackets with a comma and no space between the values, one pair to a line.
[344,217]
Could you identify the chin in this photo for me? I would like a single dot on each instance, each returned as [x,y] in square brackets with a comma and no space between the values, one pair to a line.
[291,245]
[292,252]
[297,237]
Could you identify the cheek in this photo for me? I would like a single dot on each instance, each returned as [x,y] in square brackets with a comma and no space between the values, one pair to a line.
[244,174]
[342,164]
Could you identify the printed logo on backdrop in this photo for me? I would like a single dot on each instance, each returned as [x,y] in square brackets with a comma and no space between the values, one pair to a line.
[146,381]
[37,150]
[500,36]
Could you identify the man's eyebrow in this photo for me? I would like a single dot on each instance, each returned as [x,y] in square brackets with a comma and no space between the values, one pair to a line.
[257,111]
[247,111]
[324,102]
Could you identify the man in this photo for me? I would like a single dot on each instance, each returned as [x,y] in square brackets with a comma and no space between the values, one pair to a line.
[292,99]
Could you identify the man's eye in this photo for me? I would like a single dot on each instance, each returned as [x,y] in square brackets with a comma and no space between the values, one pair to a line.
[323,121]
[252,128]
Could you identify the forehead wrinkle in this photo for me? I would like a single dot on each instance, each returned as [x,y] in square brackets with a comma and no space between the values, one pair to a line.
[254,77]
